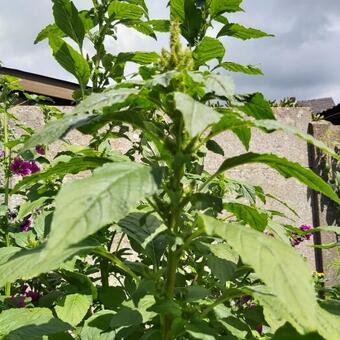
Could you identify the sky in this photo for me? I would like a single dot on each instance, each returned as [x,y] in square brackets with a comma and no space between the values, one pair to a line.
[303,60]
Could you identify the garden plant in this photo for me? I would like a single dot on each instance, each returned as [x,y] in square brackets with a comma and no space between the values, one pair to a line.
[147,244]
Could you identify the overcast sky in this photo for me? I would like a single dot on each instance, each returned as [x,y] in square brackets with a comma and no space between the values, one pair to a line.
[303,60]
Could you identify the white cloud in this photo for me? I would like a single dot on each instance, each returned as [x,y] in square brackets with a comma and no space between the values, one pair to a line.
[301,61]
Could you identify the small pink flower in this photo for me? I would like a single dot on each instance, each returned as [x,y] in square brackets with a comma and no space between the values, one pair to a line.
[40,150]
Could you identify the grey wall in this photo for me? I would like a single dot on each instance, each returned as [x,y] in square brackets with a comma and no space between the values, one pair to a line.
[295,194]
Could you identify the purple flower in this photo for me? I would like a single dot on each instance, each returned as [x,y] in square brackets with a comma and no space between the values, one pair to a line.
[18,301]
[259,329]
[297,239]
[2,153]
[35,296]
[21,167]
[25,225]
[40,150]
[34,167]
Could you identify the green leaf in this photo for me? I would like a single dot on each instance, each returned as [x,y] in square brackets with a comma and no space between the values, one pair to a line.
[51,29]
[25,264]
[286,168]
[275,125]
[98,101]
[56,130]
[143,58]
[70,60]
[284,272]
[208,49]
[121,11]
[189,15]
[160,25]
[29,323]
[288,332]
[219,7]
[222,269]
[220,85]
[241,32]
[256,106]
[214,147]
[98,327]
[73,308]
[247,69]
[67,18]
[197,117]
[248,214]
[85,206]
[61,169]
[29,207]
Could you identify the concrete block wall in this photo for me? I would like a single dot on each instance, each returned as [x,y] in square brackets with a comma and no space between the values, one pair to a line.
[290,191]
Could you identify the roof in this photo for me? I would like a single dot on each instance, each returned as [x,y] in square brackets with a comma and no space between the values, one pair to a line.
[332,115]
[59,90]
[318,105]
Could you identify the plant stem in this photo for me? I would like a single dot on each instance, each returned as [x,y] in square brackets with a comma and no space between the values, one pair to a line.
[7,174]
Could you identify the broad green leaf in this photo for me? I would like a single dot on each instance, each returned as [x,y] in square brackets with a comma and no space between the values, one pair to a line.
[88,20]
[61,169]
[236,326]
[278,265]
[140,26]
[26,264]
[85,206]
[241,32]
[222,269]
[142,228]
[70,59]
[98,101]
[276,125]
[67,18]
[112,297]
[51,29]
[247,69]
[160,25]
[232,121]
[73,308]
[219,7]
[288,332]
[189,15]
[285,273]
[143,58]
[223,251]
[221,85]
[286,168]
[56,130]
[30,206]
[29,323]
[248,214]
[208,49]
[98,326]
[276,313]
[256,106]
[7,252]
[121,10]
[177,12]
[197,117]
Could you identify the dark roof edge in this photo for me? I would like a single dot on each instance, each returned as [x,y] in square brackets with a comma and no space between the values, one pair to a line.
[38,77]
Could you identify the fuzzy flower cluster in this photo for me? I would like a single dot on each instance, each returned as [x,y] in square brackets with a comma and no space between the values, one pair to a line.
[26,292]
[297,239]
[26,224]
[40,149]
[21,167]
